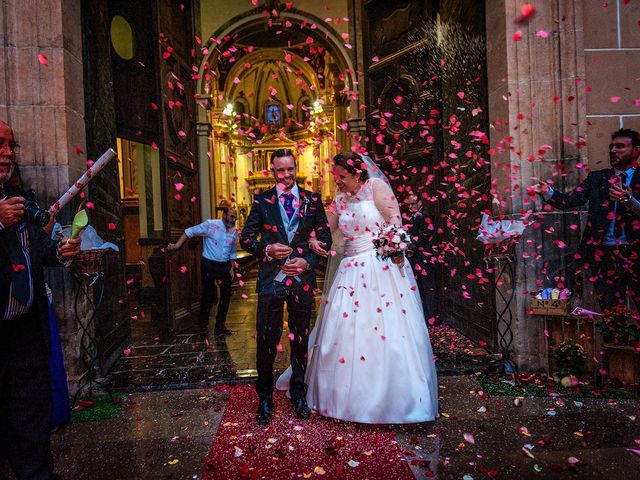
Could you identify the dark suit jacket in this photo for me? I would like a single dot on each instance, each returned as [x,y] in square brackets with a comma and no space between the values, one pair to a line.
[422,235]
[42,252]
[264,226]
[595,190]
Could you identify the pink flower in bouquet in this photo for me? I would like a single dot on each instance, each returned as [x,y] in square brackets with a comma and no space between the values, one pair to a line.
[391,241]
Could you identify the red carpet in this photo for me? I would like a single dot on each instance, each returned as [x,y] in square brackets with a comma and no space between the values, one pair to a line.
[293,448]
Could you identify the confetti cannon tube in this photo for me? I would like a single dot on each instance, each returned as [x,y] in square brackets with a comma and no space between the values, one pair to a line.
[83,180]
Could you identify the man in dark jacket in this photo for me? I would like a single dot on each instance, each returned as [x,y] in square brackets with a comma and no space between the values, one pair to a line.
[611,240]
[277,232]
[25,384]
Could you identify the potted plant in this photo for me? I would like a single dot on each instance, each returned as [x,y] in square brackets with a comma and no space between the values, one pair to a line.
[570,359]
[619,326]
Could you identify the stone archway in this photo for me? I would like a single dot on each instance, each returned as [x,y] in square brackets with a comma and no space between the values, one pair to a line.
[315,56]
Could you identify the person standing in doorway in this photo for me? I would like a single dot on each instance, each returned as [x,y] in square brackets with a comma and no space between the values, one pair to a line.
[217,267]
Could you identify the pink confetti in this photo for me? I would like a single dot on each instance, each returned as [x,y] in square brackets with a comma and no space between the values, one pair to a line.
[526,12]
[43,59]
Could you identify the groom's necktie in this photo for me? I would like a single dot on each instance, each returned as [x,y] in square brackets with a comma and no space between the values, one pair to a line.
[288,204]
[617,228]
[20,282]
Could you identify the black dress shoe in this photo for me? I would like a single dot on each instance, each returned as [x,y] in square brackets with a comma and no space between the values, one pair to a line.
[301,408]
[222,331]
[265,409]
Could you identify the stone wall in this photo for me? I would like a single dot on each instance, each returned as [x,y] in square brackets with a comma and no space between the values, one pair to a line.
[42,97]
[555,96]
[611,55]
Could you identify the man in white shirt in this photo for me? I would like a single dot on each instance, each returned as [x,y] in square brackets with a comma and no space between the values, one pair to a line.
[217,267]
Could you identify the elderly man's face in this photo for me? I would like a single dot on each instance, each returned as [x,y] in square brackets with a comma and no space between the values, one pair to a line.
[7,153]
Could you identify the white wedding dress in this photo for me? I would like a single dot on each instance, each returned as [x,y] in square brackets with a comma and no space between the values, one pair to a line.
[370,358]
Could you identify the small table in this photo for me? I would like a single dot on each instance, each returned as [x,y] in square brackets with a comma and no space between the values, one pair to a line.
[579,329]
[504,316]
[88,347]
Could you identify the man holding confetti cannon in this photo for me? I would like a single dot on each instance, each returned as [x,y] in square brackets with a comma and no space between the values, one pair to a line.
[25,392]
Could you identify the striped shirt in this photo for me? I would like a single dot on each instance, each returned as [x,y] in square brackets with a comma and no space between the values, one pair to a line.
[14,307]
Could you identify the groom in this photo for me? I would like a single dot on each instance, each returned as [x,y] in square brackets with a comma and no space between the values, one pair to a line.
[277,232]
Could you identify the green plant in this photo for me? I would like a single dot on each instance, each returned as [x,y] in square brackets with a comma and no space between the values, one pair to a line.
[619,325]
[570,358]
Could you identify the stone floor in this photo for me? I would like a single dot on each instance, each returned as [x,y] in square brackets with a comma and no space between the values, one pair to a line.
[166,434]
[171,414]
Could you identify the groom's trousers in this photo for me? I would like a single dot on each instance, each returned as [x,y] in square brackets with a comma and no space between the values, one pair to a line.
[269,328]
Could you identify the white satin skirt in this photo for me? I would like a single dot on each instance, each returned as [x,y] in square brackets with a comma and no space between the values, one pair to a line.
[370,358]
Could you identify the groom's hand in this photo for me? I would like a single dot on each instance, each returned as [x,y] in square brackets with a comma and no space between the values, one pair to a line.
[316,247]
[278,251]
[295,267]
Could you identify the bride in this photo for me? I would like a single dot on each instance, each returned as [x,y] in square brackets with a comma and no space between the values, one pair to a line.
[370,358]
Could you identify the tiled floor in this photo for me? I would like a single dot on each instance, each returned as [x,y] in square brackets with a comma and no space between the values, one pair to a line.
[183,360]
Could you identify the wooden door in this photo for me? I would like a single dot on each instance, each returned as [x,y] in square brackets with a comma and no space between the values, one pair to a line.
[411,96]
[177,145]
[155,116]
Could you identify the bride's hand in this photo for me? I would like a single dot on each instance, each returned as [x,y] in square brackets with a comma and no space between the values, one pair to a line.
[316,247]
[399,260]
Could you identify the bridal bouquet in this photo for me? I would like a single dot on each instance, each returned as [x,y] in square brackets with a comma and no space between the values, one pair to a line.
[391,241]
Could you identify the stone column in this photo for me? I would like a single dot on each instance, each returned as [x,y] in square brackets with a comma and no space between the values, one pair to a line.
[42,98]
[537,111]
[204,164]
[41,93]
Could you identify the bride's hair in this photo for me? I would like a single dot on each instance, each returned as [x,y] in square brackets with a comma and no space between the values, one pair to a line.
[352,163]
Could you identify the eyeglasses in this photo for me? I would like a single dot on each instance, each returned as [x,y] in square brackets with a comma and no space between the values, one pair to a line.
[13,146]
